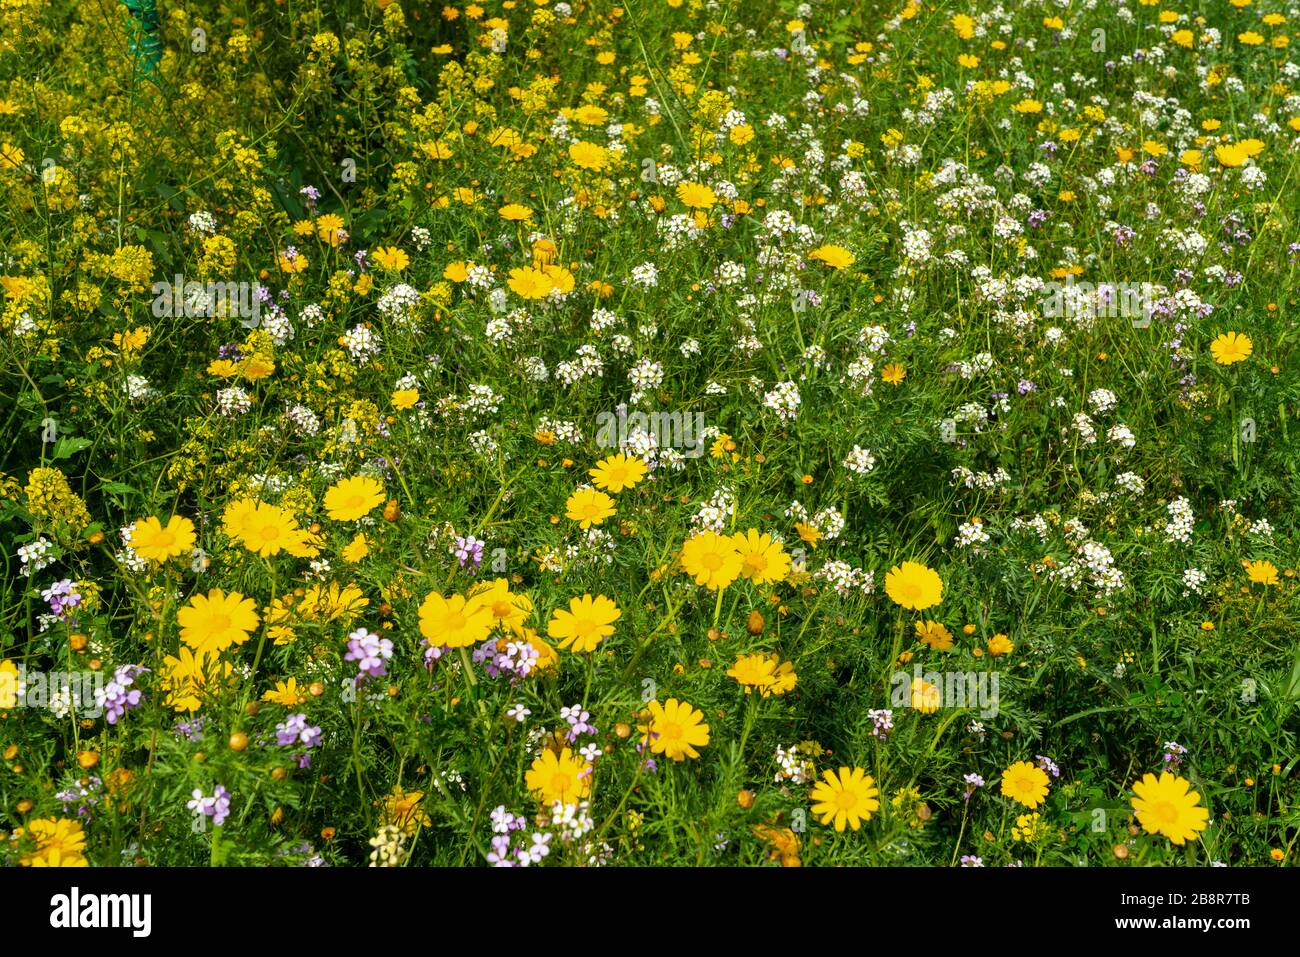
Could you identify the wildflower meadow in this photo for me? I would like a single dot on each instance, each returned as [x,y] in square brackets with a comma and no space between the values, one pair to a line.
[649,433]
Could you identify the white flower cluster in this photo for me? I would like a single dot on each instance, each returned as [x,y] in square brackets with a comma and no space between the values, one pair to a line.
[398,303]
[586,364]
[276,324]
[1193,581]
[1037,525]
[1102,401]
[602,319]
[971,535]
[784,401]
[1122,435]
[873,338]
[482,443]
[860,461]
[534,369]
[1130,483]
[645,376]
[594,546]
[793,767]
[303,419]
[976,365]
[646,275]
[361,342]
[127,556]
[1093,564]
[1083,425]
[563,430]
[714,514]
[233,401]
[573,820]
[137,388]
[829,522]
[481,401]
[846,579]
[985,481]
[858,375]
[1181,521]
[1262,528]
[35,555]
[202,222]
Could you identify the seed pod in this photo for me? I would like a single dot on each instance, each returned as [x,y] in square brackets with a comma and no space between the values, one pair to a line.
[238,741]
[745,799]
[754,623]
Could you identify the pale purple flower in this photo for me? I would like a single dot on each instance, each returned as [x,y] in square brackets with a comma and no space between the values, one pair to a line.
[118,697]
[500,855]
[220,805]
[468,550]
[577,719]
[62,597]
[191,730]
[370,652]
[1174,754]
[503,822]
[294,730]
[82,793]
[216,807]
[541,846]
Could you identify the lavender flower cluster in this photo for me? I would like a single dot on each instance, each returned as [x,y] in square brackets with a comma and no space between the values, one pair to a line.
[370,652]
[216,807]
[117,697]
[294,730]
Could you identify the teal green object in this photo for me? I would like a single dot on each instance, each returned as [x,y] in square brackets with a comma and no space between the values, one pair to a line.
[142,27]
